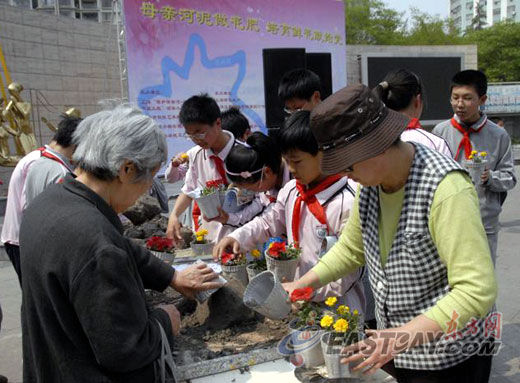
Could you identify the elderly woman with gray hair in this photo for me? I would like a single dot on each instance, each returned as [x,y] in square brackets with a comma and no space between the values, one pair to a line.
[84,314]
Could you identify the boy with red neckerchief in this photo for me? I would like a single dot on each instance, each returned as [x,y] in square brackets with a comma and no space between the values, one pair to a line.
[469,129]
[201,118]
[308,208]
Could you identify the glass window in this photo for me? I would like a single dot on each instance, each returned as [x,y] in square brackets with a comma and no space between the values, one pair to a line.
[91,16]
[106,17]
[106,3]
[45,3]
[89,4]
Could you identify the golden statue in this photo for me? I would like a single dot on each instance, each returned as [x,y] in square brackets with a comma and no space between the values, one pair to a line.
[71,112]
[6,159]
[18,114]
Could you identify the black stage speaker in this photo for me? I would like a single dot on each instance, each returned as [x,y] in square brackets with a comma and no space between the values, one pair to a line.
[321,64]
[277,61]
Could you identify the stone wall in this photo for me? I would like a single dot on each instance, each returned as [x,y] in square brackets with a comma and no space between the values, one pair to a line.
[61,62]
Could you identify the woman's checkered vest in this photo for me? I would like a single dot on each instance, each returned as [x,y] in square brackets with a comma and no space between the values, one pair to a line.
[414,278]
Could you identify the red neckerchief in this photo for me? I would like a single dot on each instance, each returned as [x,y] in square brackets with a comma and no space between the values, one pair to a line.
[219,164]
[414,124]
[465,142]
[309,197]
[49,155]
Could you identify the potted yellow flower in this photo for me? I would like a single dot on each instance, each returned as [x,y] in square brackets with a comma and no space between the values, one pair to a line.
[475,164]
[342,327]
[257,265]
[201,246]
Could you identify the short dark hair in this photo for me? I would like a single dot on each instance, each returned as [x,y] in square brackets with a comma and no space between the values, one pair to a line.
[200,109]
[297,134]
[66,128]
[470,77]
[298,83]
[398,88]
[260,151]
[235,122]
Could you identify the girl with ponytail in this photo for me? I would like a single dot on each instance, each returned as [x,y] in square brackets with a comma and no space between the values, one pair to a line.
[402,91]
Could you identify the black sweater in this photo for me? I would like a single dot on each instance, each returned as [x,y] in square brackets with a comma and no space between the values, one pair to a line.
[84,317]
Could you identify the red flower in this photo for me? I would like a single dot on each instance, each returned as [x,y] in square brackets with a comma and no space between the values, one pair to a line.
[159,243]
[275,248]
[214,184]
[226,257]
[304,294]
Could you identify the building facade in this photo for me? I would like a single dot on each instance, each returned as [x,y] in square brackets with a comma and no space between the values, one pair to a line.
[467,13]
[91,10]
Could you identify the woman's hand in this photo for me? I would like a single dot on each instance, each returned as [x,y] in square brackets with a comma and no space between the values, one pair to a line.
[382,345]
[198,277]
[373,352]
[175,318]
[226,244]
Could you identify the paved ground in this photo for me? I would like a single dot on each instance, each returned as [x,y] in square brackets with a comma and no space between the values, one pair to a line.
[506,365]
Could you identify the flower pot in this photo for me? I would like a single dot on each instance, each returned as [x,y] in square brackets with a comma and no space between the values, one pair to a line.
[237,272]
[475,170]
[209,204]
[306,342]
[201,248]
[164,256]
[331,345]
[265,295]
[284,270]
[252,272]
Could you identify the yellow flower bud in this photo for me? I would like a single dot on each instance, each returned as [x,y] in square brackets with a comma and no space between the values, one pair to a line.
[483,154]
[342,310]
[255,253]
[473,152]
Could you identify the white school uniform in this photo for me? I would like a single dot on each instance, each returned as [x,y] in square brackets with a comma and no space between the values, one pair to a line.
[337,200]
[201,170]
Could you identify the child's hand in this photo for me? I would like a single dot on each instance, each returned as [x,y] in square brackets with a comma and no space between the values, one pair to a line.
[179,159]
[222,217]
[225,245]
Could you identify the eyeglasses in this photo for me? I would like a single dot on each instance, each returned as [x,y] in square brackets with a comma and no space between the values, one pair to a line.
[197,136]
[465,100]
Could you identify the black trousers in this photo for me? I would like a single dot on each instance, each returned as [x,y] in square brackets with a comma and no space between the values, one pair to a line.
[13,252]
[476,369]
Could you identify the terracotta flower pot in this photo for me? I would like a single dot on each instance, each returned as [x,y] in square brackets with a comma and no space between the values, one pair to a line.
[306,342]
[237,272]
[283,269]
[164,256]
